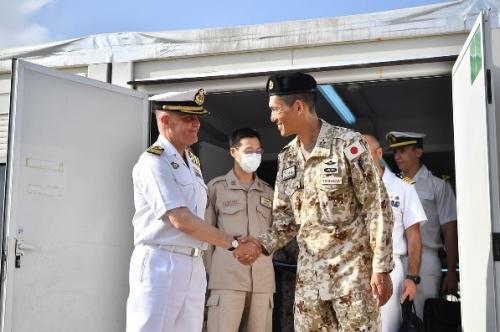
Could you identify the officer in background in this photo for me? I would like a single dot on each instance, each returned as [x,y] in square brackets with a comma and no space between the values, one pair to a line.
[167,276]
[328,194]
[438,200]
[408,216]
[240,203]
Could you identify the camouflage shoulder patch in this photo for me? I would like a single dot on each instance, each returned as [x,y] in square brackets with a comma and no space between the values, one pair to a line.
[405,178]
[155,149]
[347,134]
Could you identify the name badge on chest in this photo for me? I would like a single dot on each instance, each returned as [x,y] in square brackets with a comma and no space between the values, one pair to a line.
[289,173]
[264,201]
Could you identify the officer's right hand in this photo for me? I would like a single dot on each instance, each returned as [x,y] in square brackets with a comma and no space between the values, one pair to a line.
[381,287]
[409,290]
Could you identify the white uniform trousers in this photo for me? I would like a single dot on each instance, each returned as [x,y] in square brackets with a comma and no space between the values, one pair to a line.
[233,311]
[430,279]
[167,291]
[390,313]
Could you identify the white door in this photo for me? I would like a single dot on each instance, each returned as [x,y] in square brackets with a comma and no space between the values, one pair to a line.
[72,145]
[476,162]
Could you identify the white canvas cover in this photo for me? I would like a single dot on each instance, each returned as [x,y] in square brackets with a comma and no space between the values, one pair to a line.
[437,19]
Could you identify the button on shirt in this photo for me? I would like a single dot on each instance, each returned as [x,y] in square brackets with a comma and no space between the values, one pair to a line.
[406,209]
[162,183]
[438,200]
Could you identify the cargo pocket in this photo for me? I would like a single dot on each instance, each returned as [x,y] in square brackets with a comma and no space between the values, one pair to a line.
[358,311]
[213,300]
[213,312]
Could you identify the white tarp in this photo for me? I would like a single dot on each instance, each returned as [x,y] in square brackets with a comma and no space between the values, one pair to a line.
[438,19]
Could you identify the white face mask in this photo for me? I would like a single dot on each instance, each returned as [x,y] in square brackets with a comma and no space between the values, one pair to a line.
[250,162]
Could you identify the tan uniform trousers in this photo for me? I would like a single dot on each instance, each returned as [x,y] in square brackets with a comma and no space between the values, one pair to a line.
[233,311]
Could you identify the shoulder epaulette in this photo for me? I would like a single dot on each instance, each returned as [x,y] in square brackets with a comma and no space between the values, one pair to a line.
[445,178]
[346,134]
[193,157]
[405,178]
[155,149]
[216,179]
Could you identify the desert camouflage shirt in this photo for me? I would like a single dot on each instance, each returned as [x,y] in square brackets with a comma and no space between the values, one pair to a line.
[337,206]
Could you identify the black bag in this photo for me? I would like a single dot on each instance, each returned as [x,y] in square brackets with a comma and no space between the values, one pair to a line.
[441,315]
[411,322]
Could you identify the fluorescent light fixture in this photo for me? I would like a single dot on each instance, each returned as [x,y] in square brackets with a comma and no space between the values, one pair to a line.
[337,103]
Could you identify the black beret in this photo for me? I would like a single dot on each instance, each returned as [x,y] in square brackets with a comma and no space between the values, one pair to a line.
[290,83]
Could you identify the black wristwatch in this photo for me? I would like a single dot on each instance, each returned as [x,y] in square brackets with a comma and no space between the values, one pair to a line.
[234,244]
[415,279]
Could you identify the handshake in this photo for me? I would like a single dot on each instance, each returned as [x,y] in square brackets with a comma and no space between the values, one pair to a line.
[248,251]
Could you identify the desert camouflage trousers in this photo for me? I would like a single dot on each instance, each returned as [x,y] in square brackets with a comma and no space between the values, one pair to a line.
[346,314]
[356,311]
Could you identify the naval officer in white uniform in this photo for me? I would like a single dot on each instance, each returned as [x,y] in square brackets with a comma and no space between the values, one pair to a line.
[408,215]
[438,200]
[167,276]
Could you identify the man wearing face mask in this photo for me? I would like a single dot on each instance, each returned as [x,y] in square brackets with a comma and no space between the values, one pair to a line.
[240,203]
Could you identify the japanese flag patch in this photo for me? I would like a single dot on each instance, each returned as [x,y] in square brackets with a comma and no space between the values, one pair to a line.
[354,150]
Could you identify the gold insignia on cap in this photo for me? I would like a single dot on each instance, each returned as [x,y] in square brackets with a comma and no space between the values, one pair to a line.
[392,139]
[270,85]
[199,99]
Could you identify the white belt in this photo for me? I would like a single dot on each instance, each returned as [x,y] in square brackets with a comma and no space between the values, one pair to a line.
[193,252]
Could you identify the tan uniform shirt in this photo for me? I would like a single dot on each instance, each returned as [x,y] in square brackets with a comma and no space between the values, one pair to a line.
[239,211]
[337,206]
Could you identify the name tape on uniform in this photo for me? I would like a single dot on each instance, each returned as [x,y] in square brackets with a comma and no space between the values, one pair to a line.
[288,173]
[331,180]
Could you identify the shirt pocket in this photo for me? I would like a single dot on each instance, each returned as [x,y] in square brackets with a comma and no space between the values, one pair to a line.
[428,203]
[335,202]
[264,215]
[233,219]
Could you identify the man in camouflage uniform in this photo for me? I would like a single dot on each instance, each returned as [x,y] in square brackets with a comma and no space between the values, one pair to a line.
[329,195]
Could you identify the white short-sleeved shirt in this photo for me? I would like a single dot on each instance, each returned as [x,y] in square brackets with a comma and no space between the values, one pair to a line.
[438,200]
[406,208]
[162,183]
